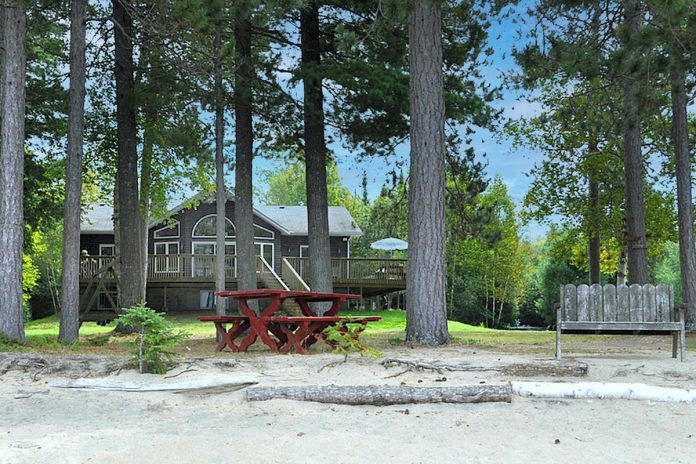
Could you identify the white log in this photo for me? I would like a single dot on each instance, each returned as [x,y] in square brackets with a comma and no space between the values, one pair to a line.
[599,390]
[110,384]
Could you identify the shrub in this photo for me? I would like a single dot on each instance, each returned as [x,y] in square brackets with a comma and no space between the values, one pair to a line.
[345,339]
[155,338]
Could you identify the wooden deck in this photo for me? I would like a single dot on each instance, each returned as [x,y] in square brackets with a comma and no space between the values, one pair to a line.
[369,273]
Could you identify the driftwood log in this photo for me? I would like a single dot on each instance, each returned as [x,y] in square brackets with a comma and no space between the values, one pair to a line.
[384,395]
[544,368]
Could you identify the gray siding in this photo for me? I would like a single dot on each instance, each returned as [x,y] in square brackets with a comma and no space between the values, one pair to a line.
[339,246]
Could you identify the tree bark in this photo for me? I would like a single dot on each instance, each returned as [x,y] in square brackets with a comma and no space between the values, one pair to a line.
[594,245]
[384,395]
[13,90]
[244,149]
[682,162]
[131,269]
[320,272]
[145,186]
[426,320]
[220,194]
[633,156]
[70,285]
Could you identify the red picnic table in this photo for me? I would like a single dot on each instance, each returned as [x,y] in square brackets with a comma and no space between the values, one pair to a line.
[280,333]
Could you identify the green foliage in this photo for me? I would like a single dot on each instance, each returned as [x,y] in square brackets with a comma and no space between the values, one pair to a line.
[156,336]
[345,339]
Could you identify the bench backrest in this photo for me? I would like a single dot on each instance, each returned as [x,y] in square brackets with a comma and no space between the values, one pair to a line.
[611,303]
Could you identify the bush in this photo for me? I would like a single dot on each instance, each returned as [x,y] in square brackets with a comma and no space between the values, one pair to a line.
[155,337]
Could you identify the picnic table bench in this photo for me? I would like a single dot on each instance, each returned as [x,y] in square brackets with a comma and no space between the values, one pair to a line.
[620,309]
[281,333]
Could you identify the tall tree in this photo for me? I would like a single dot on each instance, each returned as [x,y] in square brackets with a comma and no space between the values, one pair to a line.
[220,193]
[315,150]
[130,249]
[70,288]
[633,143]
[244,153]
[13,83]
[426,320]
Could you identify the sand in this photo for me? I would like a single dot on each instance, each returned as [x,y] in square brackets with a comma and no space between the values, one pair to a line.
[42,424]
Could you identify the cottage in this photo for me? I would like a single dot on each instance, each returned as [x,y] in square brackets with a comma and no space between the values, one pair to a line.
[181,255]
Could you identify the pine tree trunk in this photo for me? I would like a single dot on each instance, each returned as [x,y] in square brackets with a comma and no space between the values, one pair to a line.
[220,194]
[70,287]
[682,162]
[633,156]
[594,241]
[320,272]
[12,168]
[244,149]
[426,320]
[131,269]
[145,186]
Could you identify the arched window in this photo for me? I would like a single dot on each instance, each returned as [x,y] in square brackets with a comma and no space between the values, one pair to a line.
[205,227]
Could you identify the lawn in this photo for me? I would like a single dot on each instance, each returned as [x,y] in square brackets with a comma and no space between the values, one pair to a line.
[42,335]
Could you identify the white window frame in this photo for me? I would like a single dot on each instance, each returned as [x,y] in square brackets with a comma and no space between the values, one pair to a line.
[302,255]
[214,244]
[193,231]
[261,247]
[171,264]
[103,261]
[176,224]
[107,245]
[272,237]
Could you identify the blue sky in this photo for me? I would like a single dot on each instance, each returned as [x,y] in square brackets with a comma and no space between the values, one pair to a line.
[497,152]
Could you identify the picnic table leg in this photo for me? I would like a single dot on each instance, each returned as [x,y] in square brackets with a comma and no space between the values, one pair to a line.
[258,327]
[227,336]
[224,336]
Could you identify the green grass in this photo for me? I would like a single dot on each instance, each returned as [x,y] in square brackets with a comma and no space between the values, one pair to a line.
[42,335]
[395,321]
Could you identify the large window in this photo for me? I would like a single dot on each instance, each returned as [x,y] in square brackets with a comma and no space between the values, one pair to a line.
[265,250]
[204,266]
[205,227]
[166,263]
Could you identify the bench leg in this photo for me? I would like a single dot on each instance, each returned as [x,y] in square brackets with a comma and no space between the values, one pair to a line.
[558,333]
[682,335]
[675,343]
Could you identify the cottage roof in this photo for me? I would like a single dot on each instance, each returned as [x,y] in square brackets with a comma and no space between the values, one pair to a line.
[289,220]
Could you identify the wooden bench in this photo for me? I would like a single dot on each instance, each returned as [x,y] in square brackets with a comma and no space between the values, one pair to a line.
[620,309]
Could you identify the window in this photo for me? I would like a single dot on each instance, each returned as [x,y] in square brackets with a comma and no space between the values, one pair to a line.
[203,263]
[168,231]
[266,251]
[262,232]
[205,227]
[166,263]
[106,249]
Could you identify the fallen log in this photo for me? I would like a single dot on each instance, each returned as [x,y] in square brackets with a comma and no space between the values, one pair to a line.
[384,395]
[534,369]
[439,368]
[599,390]
[211,385]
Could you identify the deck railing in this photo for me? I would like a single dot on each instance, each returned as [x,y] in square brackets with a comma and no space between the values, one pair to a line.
[295,271]
[351,270]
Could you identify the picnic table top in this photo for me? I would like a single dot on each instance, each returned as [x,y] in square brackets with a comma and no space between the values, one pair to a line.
[284,294]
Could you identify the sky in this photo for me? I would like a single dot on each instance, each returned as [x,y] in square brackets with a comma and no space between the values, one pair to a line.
[496,152]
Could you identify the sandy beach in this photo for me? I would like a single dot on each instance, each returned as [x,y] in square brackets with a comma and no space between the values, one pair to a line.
[43,424]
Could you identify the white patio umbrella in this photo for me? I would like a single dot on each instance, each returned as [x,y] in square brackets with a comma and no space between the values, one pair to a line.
[390,244]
